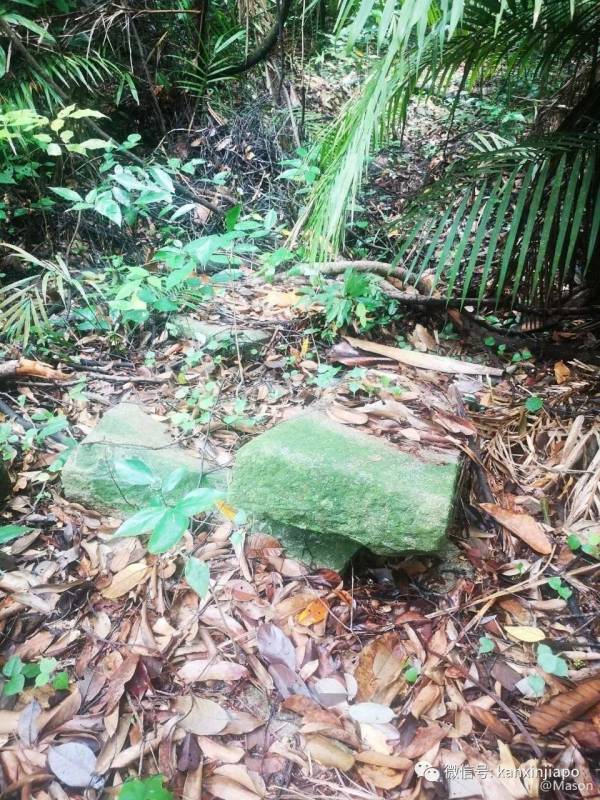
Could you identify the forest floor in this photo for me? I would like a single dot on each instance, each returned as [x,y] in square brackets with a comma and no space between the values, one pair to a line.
[471,676]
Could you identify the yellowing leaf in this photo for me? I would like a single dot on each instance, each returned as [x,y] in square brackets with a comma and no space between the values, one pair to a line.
[329,753]
[525,633]
[314,613]
[227,510]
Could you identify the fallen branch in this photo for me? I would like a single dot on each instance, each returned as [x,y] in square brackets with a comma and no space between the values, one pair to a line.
[26,368]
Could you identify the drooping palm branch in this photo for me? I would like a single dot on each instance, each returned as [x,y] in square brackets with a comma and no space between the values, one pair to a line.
[534,206]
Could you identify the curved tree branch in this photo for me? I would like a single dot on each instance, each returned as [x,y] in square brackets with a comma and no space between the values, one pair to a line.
[263,49]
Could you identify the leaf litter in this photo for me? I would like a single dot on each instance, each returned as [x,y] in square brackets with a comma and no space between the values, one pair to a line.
[276,681]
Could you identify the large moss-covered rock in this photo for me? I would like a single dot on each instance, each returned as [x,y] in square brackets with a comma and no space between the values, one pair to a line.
[320,476]
[127,431]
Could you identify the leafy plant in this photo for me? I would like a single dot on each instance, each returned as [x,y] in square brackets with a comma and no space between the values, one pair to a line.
[165,521]
[41,672]
[145,789]
[486,645]
[591,546]
[560,588]
[358,301]
[551,663]
[534,404]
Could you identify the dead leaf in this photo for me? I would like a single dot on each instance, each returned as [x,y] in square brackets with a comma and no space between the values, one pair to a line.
[490,721]
[73,764]
[210,670]
[561,372]
[525,633]
[329,753]
[200,716]
[27,727]
[347,416]
[216,751]
[274,646]
[315,612]
[566,707]
[427,697]
[522,525]
[131,577]
[424,360]
[383,760]
[380,777]
[379,672]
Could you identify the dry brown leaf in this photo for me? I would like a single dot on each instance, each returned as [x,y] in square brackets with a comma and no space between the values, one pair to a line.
[561,372]
[427,697]
[228,789]
[424,739]
[383,760]
[423,360]
[216,751]
[240,774]
[489,720]
[380,777]
[522,525]
[329,753]
[566,707]
[309,710]
[209,670]
[200,716]
[421,339]
[379,672]
[132,577]
[347,416]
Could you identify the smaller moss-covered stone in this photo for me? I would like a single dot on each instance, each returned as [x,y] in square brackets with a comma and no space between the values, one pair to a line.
[127,431]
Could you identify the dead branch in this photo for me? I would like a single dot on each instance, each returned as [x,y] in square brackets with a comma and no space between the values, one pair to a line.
[26,368]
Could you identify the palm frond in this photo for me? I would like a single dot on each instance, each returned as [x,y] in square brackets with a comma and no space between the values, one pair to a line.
[533,210]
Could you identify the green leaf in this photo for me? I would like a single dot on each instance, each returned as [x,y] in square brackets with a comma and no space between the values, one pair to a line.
[231,217]
[133,472]
[14,666]
[60,682]
[168,531]
[411,675]
[537,684]
[142,522]
[534,404]
[10,532]
[574,542]
[94,144]
[67,194]
[197,574]
[198,501]
[14,685]
[486,645]
[31,670]
[175,479]
[48,665]
[54,149]
[145,789]
[109,208]
[551,663]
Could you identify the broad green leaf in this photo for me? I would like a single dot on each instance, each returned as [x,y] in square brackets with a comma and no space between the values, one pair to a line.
[67,194]
[94,144]
[60,682]
[486,645]
[133,472]
[168,531]
[197,501]
[551,663]
[175,479]
[14,666]
[109,208]
[231,217]
[197,574]
[14,685]
[54,149]
[534,404]
[10,532]
[142,522]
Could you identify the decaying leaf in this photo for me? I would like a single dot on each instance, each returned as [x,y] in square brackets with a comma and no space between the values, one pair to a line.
[131,577]
[522,525]
[73,764]
[379,672]
[566,707]
[207,670]
[329,753]
[200,715]
[525,633]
